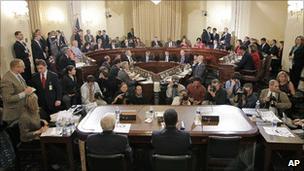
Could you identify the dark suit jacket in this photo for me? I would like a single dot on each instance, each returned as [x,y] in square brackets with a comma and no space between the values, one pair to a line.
[105,41]
[199,70]
[265,48]
[108,143]
[298,59]
[187,59]
[171,58]
[20,52]
[171,141]
[52,91]
[246,62]
[227,39]
[37,51]
[215,36]
[125,58]
[131,35]
[151,58]
[154,44]
[206,37]
[69,86]
[274,50]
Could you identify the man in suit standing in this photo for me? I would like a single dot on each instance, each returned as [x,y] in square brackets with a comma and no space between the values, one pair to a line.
[88,37]
[37,48]
[170,140]
[246,62]
[48,89]
[43,41]
[131,34]
[107,142]
[225,39]
[68,58]
[23,53]
[14,90]
[215,36]
[156,43]
[105,39]
[264,46]
[199,69]
[206,36]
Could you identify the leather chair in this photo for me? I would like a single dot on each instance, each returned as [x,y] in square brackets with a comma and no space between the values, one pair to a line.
[114,162]
[171,163]
[222,153]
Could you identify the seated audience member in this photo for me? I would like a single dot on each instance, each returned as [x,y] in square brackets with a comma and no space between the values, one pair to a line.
[247,98]
[274,99]
[264,46]
[156,43]
[233,85]
[123,75]
[89,38]
[118,42]
[199,69]
[199,44]
[86,47]
[89,89]
[138,98]
[76,51]
[167,57]
[237,48]
[183,58]
[126,44]
[128,57]
[139,43]
[184,44]
[99,45]
[122,96]
[285,85]
[216,94]
[170,140]
[113,81]
[104,83]
[68,58]
[148,57]
[253,50]
[170,43]
[196,91]
[174,88]
[107,62]
[246,62]
[108,142]
[246,42]
[70,89]
[30,124]
[113,44]
[182,99]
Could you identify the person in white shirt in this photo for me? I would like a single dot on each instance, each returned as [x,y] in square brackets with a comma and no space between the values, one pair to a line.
[90,92]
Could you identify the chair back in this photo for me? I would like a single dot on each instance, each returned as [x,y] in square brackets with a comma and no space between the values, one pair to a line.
[114,162]
[171,163]
[222,152]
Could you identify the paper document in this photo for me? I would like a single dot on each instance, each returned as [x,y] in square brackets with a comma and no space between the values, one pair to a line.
[122,128]
[50,132]
[278,131]
[269,116]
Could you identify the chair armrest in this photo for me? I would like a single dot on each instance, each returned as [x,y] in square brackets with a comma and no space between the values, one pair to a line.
[112,156]
[167,157]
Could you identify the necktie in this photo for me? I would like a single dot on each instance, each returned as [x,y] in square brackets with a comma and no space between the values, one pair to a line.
[91,95]
[182,60]
[43,81]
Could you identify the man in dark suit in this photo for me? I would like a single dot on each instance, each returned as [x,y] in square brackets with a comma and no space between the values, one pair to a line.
[68,58]
[167,57]
[107,142]
[246,41]
[48,89]
[246,62]
[105,39]
[148,57]
[183,58]
[264,46]
[78,37]
[199,69]
[225,39]
[274,50]
[43,41]
[131,34]
[214,36]
[156,43]
[88,37]
[297,53]
[37,48]
[170,140]
[206,36]
[170,43]
[23,53]
[128,57]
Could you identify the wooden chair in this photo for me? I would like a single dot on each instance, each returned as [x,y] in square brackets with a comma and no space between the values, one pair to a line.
[171,163]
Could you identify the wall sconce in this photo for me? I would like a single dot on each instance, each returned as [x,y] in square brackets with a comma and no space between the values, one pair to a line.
[295,8]
[156,2]
[16,9]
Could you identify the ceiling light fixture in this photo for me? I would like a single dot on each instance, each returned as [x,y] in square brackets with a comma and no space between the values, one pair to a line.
[156,2]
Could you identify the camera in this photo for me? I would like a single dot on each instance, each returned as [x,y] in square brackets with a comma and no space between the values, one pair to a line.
[213,89]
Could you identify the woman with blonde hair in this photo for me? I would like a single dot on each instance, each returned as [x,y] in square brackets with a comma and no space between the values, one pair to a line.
[284,83]
[30,124]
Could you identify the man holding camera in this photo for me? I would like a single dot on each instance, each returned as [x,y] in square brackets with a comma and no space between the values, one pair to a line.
[246,98]
[274,99]
[174,88]
[216,94]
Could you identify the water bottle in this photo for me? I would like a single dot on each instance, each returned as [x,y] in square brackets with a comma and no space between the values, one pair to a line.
[117,114]
[257,106]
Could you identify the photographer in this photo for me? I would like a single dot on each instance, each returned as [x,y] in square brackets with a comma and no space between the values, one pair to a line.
[182,99]
[216,94]
[174,88]
[245,98]
[274,99]
[122,96]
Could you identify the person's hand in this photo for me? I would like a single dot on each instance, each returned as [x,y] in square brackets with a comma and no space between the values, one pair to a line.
[266,99]
[57,103]
[28,90]
[43,129]
[45,122]
[120,96]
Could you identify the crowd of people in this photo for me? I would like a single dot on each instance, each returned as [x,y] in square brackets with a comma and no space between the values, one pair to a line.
[32,97]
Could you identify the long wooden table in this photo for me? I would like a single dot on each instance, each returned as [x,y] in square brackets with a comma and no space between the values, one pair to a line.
[232,121]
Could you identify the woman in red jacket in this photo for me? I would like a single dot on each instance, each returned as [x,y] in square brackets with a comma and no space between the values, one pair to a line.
[253,50]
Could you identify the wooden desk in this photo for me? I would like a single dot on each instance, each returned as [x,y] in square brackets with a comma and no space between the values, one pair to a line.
[273,143]
[67,140]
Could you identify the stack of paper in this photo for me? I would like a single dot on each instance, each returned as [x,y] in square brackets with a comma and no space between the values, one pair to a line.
[269,116]
[50,132]
[279,131]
